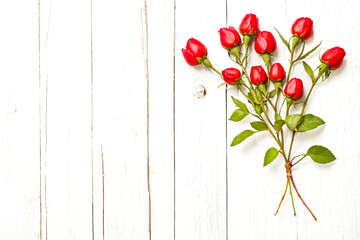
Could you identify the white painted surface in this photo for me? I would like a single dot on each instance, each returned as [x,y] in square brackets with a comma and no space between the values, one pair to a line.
[112,76]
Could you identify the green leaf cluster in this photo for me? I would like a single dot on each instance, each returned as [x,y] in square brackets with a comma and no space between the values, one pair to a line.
[305,123]
[240,113]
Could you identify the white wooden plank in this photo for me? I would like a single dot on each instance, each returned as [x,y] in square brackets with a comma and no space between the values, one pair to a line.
[200,127]
[120,117]
[254,191]
[66,97]
[326,189]
[330,190]
[161,116]
[19,121]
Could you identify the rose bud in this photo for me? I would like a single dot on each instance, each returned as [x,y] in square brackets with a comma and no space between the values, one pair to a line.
[249,25]
[231,75]
[277,72]
[265,43]
[229,37]
[333,57]
[294,89]
[258,75]
[302,27]
[194,52]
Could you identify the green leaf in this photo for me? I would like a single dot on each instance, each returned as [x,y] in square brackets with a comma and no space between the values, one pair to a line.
[270,155]
[260,126]
[292,121]
[278,124]
[240,104]
[272,93]
[238,115]
[251,97]
[258,109]
[277,117]
[320,154]
[309,52]
[241,137]
[309,71]
[309,122]
[283,40]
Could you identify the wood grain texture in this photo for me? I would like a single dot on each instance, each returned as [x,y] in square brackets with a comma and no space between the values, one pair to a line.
[66,113]
[254,191]
[200,127]
[103,137]
[120,117]
[19,121]
[323,187]
[160,19]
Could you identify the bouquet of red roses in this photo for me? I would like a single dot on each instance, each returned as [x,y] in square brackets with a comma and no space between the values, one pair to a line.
[268,90]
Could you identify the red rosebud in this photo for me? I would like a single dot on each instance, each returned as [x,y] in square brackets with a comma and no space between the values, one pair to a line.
[303,27]
[334,57]
[229,37]
[258,75]
[277,72]
[231,75]
[249,25]
[194,51]
[265,42]
[294,88]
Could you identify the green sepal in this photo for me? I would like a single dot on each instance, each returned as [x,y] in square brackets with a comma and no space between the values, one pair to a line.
[206,62]
[262,88]
[246,40]
[278,85]
[258,93]
[272,93]
[258,109]
[283,40]
[308,70]
[295,41]
[235,51]
[308,53]
[255,98]
[266,58]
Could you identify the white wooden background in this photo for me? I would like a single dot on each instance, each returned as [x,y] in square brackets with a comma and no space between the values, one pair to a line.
[80,76]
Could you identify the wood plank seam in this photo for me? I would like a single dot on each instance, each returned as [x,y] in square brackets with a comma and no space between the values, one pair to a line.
[92,120]
[174,99]
[147,109]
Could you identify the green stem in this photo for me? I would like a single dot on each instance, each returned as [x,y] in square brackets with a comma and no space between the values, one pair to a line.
[299,160]
[292,198]
[290,68]
[244,71]
[268,74]
[302,111]
[214,69]
[245,56]
[271,103]
[291,65]
[283,196]
[262,106]
[277,99]
[291,143]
